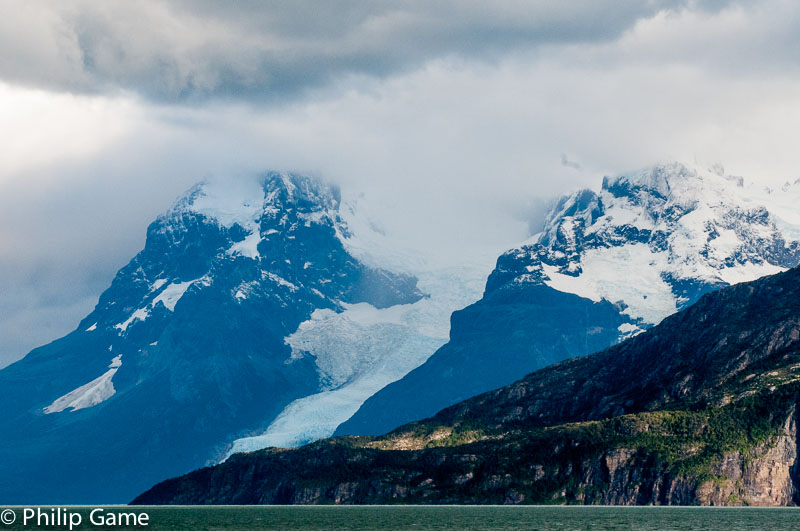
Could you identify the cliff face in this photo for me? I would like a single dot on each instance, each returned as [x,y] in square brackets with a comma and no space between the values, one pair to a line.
[633,460]
[763,476]
[769,479]
[701,409]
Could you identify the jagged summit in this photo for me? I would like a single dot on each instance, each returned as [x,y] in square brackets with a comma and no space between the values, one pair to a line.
[659,180]
[269,221]
[653,240]
[245,201]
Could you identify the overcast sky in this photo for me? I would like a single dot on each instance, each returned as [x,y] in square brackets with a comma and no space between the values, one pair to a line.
[462,112]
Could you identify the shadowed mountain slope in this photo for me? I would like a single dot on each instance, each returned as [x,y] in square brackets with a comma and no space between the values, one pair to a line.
[700,409]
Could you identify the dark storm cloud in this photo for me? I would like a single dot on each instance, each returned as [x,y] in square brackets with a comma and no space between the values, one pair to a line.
[195,50]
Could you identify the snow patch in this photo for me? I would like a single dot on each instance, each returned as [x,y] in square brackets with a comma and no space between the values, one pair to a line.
[630,274]
[628,330]
[724,244]
[139,315]
[170,296]
[98,390]
[231,202]
[281,281]
[747,272]
[247,247]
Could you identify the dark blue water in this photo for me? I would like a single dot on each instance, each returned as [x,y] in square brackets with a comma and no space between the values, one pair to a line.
[425,518]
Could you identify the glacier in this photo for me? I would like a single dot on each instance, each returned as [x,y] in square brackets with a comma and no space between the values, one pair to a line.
[360,350]
[607,264]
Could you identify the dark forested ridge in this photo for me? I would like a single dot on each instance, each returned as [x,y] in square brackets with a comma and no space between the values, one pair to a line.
[701,409]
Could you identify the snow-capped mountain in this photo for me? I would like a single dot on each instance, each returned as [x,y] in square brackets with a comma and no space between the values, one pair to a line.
[653,241]
[607,265]
[266,312]
[223,320]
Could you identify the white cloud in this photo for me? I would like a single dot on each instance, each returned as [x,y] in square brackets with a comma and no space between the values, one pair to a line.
[455,144]
[40,127]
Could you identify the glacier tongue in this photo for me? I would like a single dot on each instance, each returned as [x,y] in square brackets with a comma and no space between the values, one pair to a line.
[361,349]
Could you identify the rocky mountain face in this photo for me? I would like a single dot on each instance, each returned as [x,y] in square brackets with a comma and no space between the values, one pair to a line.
[700,409]
[186,349]
[606,266]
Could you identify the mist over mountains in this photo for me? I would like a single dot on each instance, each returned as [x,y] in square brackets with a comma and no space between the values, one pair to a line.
[277,313]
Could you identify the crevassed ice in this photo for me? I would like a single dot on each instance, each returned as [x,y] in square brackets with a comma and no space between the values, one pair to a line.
[362,349]
[98,390]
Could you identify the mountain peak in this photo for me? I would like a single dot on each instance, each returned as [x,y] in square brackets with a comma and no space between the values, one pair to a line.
[609,263]
[659,179]
[302,191]
[655,239]
[192,339]
[244,201]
